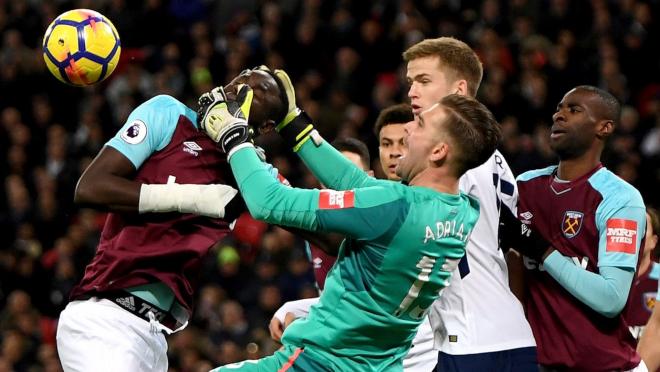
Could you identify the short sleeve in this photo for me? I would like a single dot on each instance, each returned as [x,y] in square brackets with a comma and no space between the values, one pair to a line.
[149,128]
[621,232]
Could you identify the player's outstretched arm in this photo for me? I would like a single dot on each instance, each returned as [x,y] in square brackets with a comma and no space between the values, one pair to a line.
[326,163]
[226,122]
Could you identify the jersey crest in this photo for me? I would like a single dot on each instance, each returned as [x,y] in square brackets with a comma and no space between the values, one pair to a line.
[572,223]
[621,235]
[649,300]
[331,199]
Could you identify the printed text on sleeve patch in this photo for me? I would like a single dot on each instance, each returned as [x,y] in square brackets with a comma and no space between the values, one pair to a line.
[331,199]
[621,235]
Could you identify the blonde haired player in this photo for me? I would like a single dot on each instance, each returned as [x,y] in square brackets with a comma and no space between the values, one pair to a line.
[478,323]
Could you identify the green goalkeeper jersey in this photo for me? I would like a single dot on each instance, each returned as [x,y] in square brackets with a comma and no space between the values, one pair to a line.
[402,243]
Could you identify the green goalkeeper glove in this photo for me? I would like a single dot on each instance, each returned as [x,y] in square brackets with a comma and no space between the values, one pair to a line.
[296,127]
[225,120]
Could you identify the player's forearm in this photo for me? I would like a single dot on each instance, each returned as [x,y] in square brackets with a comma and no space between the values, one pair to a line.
[106,191]
[331,168]
[267,199]
[605,293]
[516,270]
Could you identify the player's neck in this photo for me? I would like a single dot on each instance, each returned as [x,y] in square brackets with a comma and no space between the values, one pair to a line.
[571,169]
[436,179]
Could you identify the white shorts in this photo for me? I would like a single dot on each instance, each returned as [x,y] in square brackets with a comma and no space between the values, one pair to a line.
[98,335]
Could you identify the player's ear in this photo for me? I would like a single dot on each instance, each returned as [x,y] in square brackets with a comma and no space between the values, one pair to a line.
[460,87]
[439,153]
[605,128]
[266,126]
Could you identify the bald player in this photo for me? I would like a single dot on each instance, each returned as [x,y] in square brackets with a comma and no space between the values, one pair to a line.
[168,190]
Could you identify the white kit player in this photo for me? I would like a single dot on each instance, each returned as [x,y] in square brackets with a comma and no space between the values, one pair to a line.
[478,323]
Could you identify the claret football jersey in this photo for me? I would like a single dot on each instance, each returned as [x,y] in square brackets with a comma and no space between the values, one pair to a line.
[596,220]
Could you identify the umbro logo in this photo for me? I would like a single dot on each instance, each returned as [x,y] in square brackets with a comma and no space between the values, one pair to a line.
[127,302]
[192,147]
[526,216]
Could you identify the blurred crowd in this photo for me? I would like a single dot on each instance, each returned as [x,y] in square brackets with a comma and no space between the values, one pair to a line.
[345,59]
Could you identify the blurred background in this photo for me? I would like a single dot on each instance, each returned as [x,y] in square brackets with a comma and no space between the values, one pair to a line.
[345,59]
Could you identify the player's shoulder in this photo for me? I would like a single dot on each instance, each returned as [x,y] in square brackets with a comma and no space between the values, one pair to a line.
[614,189]
[495,164]
[472,201]
[536,173]
[164,101]
[166,106]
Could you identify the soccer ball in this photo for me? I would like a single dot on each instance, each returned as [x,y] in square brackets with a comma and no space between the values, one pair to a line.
[81,47]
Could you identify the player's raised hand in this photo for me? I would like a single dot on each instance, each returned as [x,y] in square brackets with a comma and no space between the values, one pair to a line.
[296,127]
[224,119]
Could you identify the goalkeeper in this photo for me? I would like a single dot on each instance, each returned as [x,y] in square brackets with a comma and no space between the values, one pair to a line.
[403,241]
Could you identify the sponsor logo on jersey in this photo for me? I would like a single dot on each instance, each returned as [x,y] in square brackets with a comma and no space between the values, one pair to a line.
[192,147]
[526,216]
[134,133]
[127,302]
[318,261]
[621,236]
[649,300]
[331,199]
[572,223]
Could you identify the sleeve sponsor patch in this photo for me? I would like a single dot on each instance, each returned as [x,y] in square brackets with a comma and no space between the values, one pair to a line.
[331,199]
[621,235]
[135,133]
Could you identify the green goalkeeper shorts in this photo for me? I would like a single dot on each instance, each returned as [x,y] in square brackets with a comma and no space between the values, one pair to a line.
[287,359]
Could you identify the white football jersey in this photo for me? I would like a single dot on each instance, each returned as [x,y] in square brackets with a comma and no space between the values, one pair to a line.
[421,356]
[477,312]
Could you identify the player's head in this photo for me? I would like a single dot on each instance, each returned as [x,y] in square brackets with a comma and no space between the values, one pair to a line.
[652,231]
[355,151]
[584,119]
[269,100]
[458,133]
[390,132]
[438,67]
